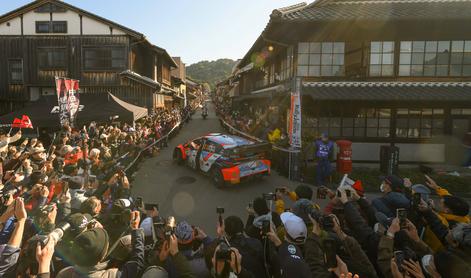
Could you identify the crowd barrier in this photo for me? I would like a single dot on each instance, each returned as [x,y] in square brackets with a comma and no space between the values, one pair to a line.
[164,137]
[282,158]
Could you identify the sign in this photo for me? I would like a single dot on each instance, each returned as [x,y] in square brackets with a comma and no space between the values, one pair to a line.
[68,100]
[295,117]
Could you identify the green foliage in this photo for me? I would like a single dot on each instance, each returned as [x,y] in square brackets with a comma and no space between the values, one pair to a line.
[210,72]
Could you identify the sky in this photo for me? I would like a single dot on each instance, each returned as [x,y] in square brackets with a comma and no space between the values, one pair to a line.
[195,30]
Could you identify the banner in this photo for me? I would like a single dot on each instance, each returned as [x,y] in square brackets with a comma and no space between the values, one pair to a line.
[68,100]
[295,120]
[24,122]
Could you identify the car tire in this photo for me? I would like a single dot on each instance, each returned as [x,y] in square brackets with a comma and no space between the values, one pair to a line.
[177,157]
[217,178]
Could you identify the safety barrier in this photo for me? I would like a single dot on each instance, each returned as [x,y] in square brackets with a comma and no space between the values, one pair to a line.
[166,136]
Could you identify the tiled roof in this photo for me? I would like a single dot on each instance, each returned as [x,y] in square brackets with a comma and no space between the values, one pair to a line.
[389,91]
[376,9]
[142,79]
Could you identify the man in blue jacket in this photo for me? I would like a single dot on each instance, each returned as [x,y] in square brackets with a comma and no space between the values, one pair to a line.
[324,149]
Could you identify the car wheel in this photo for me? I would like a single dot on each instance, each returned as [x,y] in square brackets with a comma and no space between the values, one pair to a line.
[177,157]
[217,177]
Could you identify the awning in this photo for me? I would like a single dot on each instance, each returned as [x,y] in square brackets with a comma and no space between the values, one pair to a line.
[141,79]
[93,107]
[389,91]
[269,92]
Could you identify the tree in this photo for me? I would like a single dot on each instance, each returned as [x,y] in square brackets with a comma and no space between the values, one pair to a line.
[210,72]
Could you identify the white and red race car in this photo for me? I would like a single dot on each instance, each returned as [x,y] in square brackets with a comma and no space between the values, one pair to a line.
[227,159]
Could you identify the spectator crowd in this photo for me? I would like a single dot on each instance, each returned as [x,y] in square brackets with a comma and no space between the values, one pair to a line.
[67,210]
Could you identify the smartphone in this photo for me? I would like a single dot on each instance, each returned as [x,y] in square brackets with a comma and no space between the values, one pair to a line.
[339,194]
[348,192]
[265,227]
[399,257]
[151,206]
[416,199]
[219,210]
[402,216]
[330,253]
[250,205]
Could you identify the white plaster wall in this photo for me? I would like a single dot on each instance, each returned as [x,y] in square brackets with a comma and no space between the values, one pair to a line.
[73,21]
[93,27]
[89,25]
[29,22]
[407,152]
[13,29]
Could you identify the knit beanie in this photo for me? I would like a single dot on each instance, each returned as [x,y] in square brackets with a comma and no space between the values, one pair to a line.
[91,246]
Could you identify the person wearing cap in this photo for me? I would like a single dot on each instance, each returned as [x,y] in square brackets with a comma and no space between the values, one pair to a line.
[250,248]
[92,246]
[191,242]
[290,255]
[324,149]
[392,188]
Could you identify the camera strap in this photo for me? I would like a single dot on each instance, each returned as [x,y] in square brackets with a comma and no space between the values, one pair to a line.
[115,244]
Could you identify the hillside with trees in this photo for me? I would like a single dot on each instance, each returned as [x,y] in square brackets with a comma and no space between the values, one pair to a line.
[210,72]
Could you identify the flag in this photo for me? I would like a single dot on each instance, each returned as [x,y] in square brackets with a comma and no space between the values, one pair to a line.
[295,120]
[68,100]
[26,122]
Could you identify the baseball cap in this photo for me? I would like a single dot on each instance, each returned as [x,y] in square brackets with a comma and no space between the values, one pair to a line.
[184,232]
[294,226]
[423,190]
[395,182]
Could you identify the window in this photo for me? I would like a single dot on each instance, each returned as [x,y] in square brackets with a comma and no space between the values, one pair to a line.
[97,58]
[286,64]
[382,59]
[51,26]
[321,59]
[15,71]
[419,123]
[50,8]
[51,58]
[424,58]
[460,61]
[349,122]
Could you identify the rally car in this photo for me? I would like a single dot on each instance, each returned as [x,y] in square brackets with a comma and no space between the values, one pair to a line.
[227,159]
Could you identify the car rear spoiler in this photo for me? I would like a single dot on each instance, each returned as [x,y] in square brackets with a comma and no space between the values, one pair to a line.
[262,147]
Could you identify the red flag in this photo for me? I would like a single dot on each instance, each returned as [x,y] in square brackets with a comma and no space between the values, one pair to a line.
[26,122]
[16,123]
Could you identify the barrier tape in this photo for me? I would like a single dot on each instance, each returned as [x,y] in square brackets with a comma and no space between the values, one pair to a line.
[258,139]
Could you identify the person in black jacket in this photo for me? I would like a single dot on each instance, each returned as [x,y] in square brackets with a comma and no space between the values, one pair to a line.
[250,248]
[257,214]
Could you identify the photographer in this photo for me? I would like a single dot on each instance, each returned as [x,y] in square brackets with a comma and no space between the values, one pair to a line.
[92,246]
[301,192]
[258,212]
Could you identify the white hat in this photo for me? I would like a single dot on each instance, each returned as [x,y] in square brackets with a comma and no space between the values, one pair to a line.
[66,149]
[294,227]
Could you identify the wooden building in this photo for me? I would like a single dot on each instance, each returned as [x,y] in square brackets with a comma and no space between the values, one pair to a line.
[49,38]
[373,71]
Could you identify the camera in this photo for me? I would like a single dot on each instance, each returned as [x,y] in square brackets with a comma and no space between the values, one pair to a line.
[224,252]
[327,222]
[265,227]
[269,196]
[321,193]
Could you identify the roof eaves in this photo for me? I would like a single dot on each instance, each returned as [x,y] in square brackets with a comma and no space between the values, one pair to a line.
[38,3]
[289,9]
[141,79]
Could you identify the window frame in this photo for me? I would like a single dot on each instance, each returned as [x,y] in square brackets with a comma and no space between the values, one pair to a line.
[319,52]
[52,67]
[102,49]
[10,79]
[381,63]
[51,26]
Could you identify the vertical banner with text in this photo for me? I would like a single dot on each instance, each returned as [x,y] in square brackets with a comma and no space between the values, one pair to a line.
[68,100]
[295,117]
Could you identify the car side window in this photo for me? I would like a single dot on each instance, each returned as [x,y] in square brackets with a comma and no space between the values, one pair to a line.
[212,147]
[195,144]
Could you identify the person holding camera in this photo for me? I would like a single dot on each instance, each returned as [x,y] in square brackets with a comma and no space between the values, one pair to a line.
[92,248]
[258,211]
[302,191]
[226,262]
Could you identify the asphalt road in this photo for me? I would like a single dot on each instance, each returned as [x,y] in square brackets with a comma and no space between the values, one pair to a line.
[189,195]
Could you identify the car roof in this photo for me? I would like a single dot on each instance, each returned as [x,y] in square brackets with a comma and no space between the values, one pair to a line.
[228,141]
